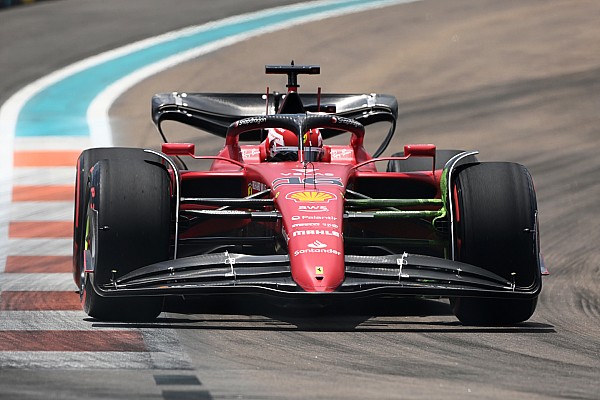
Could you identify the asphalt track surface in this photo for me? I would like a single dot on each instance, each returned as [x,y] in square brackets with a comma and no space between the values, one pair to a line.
[518,81]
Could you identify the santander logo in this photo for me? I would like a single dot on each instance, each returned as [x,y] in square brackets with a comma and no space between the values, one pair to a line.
[317,245]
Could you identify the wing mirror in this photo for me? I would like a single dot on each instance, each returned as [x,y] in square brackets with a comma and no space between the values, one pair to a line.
[421,150]
[179,149]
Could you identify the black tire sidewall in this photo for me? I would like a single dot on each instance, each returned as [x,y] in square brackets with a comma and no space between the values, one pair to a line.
[132,198]
[87,159]
[133,204]
[496,221]
[495,209]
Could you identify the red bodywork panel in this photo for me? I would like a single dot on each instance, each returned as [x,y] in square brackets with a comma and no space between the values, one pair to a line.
[309,197]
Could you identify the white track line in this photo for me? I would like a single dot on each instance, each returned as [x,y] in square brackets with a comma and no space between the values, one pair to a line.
[45,176]
[38,282]
[40,247]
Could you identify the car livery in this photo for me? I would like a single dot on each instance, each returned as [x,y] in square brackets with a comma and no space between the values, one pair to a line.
[344,225]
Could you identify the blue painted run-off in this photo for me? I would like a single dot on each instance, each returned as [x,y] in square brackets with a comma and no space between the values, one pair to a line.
[61,108]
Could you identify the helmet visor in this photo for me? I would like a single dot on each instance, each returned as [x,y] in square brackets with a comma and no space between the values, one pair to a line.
[285,153]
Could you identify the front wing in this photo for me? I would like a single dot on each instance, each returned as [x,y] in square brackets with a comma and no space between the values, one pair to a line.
[399,275]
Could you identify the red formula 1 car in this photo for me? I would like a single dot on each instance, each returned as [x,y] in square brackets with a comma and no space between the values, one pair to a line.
[278,212]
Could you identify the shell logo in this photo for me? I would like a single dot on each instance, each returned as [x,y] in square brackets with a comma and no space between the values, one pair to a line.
[311,197]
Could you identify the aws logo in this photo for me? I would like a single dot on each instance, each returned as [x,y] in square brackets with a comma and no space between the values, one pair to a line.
[311,196]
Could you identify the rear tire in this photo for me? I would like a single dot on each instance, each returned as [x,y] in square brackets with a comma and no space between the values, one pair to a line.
[496,226]
[133,205]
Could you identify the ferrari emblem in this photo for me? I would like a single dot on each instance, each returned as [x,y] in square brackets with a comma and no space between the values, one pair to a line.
[319,270]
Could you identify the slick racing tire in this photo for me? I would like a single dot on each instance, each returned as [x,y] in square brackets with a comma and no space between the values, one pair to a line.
[85,162]
[496,229]
[424,163]
[127,226]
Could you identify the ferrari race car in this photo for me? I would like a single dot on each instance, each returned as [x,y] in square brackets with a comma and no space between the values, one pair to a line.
[279,212]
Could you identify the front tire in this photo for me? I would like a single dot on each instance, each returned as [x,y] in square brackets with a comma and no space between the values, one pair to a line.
[496,228]
[87,159]
[128,215]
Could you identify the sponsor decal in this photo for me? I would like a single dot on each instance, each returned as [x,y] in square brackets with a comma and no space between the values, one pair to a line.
[251,120]
[254,187]
[314,225]
[344,153]
[309,181]
[311,197]
[316,232]
[317,247]
[305,224]
[306,172]
[226,212]
[345,121]
[248,153]
[320,251]
[314,217]
[313,209]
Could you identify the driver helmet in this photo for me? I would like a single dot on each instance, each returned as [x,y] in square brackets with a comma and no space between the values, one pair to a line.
[282,145]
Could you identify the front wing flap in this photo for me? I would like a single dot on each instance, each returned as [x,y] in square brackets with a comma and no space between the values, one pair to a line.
[398,274]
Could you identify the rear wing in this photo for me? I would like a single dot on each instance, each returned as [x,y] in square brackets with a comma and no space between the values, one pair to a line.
[215,112]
